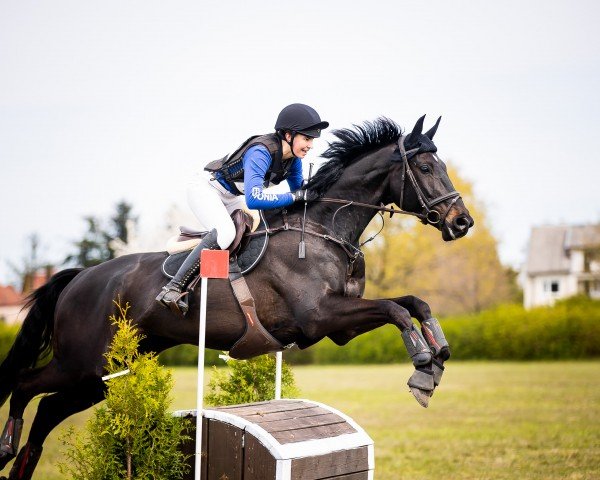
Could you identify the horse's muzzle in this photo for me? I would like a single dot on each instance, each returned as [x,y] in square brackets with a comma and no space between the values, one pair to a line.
[457,227]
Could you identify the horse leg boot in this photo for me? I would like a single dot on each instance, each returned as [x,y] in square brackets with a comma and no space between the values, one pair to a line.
[432,331]
[26,461]
[173,292]
[421,381]
[9,442]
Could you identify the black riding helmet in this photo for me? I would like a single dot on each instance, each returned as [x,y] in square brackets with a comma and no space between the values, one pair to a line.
[300,118]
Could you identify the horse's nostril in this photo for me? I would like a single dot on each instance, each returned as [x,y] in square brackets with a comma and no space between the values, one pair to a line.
[461,222]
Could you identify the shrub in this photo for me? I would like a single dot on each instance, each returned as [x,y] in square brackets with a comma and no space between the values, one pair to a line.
[132,436]
[245,381]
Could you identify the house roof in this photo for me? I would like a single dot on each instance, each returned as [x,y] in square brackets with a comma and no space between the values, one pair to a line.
[9,296]
[584,236]
[549,246]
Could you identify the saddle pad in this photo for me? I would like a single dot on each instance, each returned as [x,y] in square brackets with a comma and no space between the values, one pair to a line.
[247,259]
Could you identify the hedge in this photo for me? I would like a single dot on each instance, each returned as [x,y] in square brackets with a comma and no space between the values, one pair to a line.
[569,330]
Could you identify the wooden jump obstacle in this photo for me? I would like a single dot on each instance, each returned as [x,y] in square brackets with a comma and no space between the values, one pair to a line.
[281,440]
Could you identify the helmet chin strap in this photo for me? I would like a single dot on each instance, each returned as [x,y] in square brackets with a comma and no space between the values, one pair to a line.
[291,142]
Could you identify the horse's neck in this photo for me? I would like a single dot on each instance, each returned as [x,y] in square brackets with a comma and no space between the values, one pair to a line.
[365,182]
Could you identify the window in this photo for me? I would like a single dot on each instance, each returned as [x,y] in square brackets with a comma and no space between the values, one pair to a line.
[551,286]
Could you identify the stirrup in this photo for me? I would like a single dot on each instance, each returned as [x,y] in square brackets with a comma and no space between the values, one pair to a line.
[176,303]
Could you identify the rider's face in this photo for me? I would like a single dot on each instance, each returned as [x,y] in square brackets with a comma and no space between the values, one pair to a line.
[302,144]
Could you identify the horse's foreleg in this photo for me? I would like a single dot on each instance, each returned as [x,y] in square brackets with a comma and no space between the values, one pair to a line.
[342,318]
[432,332]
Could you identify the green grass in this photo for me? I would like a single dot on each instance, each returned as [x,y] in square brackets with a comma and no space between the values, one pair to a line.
[488,420]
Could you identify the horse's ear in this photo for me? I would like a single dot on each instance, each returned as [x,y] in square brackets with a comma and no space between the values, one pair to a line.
[417,130]
[433,129]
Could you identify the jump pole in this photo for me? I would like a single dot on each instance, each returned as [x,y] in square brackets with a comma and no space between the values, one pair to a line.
[213,264]
[278,361]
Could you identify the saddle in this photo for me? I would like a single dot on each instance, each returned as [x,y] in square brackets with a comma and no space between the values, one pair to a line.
[244,254]
[248,249]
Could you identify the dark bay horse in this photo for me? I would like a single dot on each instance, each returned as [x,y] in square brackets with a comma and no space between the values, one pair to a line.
[298,300]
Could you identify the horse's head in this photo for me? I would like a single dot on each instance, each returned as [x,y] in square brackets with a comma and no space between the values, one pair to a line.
[419,183]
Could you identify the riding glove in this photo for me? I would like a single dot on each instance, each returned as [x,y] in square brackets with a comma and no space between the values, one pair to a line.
[304,195]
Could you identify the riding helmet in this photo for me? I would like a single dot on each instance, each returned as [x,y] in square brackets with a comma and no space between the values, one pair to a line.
[300,118]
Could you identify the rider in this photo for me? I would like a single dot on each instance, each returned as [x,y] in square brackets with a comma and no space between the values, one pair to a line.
[239,180]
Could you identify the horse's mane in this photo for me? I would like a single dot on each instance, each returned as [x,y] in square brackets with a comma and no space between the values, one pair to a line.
[351,144]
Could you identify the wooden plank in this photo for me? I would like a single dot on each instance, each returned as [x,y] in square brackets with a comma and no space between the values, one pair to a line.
[296,413]
[259,464]
[313,433]
[329,465]
[203,452]
[225,459]
[302,422]
[269,404]
[263,408]
[189,447]
[351,476]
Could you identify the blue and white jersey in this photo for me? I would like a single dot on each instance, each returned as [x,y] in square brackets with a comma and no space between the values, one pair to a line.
[257,161]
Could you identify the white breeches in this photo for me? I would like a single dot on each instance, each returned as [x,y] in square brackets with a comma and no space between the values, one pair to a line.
[212,204]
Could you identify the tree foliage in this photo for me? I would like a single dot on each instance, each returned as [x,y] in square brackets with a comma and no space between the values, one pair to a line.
[453,277]
[95,246]
[132,435]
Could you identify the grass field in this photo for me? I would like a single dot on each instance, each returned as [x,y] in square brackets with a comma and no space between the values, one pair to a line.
[486,421]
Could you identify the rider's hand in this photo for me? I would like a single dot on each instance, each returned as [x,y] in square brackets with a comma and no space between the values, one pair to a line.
[302,195]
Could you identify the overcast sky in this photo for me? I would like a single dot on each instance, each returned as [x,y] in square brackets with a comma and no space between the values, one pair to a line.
[108,100]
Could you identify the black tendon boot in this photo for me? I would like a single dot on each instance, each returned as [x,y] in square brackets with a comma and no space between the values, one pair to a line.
[173,292]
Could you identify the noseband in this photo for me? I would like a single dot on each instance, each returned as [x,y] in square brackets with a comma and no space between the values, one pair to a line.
[428,214]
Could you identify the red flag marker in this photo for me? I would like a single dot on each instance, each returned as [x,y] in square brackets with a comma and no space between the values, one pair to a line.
[214,263]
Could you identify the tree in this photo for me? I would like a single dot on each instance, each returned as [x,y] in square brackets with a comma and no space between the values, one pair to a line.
[96,246]
[133,435]
[453,277]
[30,264]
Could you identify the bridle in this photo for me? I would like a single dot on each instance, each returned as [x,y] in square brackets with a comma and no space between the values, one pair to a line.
[427,215]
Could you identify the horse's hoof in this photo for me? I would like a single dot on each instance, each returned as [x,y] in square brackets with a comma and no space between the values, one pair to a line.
[421,396]
[4,459]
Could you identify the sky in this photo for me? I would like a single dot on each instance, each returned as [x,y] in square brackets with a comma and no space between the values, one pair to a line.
[103,101]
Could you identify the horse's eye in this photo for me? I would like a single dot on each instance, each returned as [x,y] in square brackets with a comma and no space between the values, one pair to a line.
[425,168]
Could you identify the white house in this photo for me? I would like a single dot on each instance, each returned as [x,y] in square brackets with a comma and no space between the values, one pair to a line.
[562,261]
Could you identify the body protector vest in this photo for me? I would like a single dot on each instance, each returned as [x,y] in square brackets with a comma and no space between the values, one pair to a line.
[230,168]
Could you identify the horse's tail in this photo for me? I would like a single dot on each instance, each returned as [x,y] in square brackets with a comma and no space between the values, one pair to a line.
[35,334]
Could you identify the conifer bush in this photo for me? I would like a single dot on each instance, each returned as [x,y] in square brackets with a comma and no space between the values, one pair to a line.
[246,381]
[133,435]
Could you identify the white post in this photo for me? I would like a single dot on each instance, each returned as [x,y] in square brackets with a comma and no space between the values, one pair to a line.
[278,361]
[200,392]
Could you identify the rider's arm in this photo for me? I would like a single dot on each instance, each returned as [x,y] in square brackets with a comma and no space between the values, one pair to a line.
[295,179]
[256,163]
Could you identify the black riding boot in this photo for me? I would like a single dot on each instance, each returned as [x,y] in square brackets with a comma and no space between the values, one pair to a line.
[173,292]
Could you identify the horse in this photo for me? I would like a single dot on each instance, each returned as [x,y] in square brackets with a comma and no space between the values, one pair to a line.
[299,300]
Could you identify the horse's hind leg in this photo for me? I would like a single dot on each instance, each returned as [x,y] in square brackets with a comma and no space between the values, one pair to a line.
[52,410]
[31,383]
